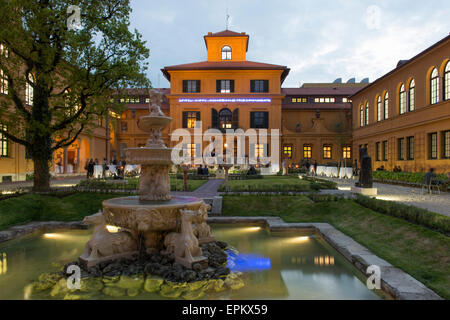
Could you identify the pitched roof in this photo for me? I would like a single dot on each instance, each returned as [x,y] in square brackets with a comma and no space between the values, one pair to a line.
[319,91]
[316,106]
[226,65]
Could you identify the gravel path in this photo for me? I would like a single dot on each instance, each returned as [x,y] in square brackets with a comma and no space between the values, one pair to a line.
[439,203]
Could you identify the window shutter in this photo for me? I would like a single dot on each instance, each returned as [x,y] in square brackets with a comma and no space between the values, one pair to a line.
[197,116]
[252,85]
[266,85]
[185,86]
[266,120]
[185,114]
[198,86]
[236,118]
[252,120]
[214,118]
[217,85]
[231,85]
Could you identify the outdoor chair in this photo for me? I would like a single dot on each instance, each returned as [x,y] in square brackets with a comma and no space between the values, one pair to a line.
[433,183]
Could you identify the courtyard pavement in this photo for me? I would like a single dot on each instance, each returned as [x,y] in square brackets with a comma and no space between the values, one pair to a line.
[439,203]
[60,182]
[207,191]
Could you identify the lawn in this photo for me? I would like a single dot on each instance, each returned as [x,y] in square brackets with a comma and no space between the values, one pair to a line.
[278,184]
[423,253]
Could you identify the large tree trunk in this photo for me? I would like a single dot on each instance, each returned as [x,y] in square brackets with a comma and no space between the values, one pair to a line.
[41,173]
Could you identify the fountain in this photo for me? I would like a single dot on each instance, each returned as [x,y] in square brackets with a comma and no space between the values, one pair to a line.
[154,220]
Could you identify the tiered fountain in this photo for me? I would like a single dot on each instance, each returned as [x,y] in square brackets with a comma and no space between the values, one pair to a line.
[154,220]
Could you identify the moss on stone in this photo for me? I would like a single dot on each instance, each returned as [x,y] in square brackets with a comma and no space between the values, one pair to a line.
[153,284]
[114,291]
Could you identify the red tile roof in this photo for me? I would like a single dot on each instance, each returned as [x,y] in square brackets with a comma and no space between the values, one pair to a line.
[230,65]
[227,33]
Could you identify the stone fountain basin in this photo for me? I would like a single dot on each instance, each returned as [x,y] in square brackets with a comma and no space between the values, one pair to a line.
[146,123]
[146,156]
[130,212]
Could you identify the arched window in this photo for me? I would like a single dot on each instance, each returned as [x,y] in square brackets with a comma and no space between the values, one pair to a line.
[386,105]
[361,116]
[29,91]
[226,53]
[367,113]
[447,82]
[434,85]
[402,99]
[225,119]
[412,96]
[379,109]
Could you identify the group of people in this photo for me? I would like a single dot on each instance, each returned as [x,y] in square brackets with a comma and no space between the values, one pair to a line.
[90,165]
[203,171]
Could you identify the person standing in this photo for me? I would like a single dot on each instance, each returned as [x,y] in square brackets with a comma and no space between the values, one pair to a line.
[315,167]
[105,167]
[91,168]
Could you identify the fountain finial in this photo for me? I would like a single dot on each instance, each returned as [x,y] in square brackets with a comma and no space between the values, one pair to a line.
[156,99]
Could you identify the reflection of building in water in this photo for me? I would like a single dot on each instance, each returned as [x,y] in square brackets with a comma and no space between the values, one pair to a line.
[324,261]
[3,264]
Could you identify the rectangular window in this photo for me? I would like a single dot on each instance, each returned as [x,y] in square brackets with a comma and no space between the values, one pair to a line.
[347,152]
[378,151]
[191,150]
[259,86]
[294,100]
[385,151]
[191,86]
[307,151]
[260,150]
[3,83]
[327,152]
[124,126]
[225,86]
[446,144]
[287,151]
[190,118]
[3,141]
[259,120]
[433,145]
[401,149]
[410,147]
[344,100]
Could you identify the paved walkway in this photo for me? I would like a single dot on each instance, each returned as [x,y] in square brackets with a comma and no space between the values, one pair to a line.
[207,190]
[60,182]
[439,203]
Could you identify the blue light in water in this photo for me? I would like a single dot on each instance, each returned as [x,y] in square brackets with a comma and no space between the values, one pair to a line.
[238,262]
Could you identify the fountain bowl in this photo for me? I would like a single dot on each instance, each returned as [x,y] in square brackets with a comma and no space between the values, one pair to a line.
[147,123]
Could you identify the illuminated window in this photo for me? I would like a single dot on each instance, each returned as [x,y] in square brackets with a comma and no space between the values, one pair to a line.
[259,150]
[379,109]
[225,86]
[191,150]
[433,145]
[294,100]
[344,100]
[401,149]
[446,139]
[147,100]
[226,53]
[3,50]
[307,151]
[412,96]
[402,99]
[386,106]
[367,113]
[3,141]
[225,119]
[434,82]
[287,151]
[447,82]
[347,152]
[3,83]
[324,100]
[327,152]
[190,118]
[29,91]
[361,116]
[410,147]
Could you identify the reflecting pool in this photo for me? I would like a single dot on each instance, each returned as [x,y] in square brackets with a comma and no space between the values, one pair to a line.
[274,266]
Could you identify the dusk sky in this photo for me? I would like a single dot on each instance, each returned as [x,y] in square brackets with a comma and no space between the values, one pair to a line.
[318,40]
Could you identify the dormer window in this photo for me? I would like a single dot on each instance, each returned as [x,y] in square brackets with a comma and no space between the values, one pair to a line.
[226,53]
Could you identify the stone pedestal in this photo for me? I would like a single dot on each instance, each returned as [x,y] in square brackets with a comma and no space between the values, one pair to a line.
[154,184]
[370,192]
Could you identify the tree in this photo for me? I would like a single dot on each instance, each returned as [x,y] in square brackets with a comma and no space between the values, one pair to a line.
[60,79]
